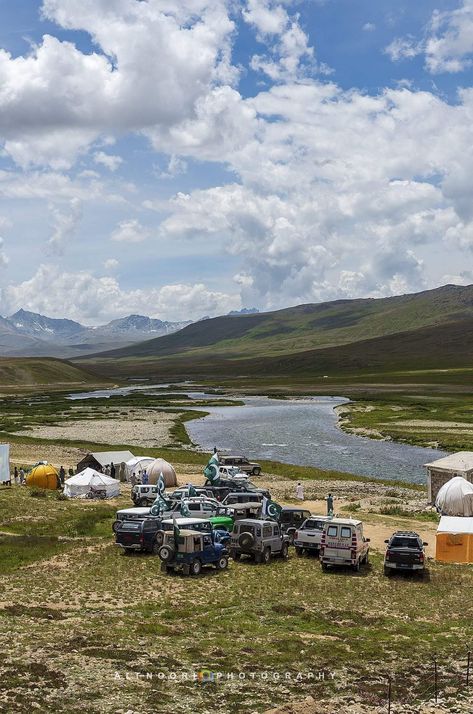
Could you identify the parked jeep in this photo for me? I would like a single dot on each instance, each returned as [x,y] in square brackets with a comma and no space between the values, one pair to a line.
[144,495]
[308,537]
[183,492]
[138,535]
[405,552]
[259,539]
[129,514]
[241,462]
[291,519]
[343,543]
[243,497]
[191,551]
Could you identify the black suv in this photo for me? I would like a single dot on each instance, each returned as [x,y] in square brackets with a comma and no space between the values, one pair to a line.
[227,486]
[138,535]
[405,552]
[291,519]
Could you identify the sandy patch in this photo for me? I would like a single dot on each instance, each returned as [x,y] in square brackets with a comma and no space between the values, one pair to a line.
[431,424]
[144,428]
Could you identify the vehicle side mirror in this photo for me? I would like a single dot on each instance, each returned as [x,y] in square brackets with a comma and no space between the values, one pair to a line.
[386,541]
[425,544]
[367,540]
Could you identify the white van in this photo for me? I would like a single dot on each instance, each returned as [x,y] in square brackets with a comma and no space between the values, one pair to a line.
[343,543]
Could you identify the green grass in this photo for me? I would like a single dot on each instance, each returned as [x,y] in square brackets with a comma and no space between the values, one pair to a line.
[104,614]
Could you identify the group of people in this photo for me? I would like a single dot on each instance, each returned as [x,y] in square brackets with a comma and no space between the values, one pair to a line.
[328,499]
[109,470]
[141,477]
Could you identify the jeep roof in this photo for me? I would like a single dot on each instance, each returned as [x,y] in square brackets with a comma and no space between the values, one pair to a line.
[185,521]
[255,522]
[344,521]
[293,509]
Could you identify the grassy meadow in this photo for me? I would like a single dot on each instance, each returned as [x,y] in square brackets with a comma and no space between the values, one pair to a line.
[87,628]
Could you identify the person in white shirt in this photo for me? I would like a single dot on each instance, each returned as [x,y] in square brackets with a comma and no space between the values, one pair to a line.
[300,491]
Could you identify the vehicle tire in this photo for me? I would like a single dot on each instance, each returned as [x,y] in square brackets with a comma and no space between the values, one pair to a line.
[387,571]
[116,525]
[196,567]
[258,558]
[266,555]
[324,566]
[290,533]
[155,548]
[166,553]
[299,551]
[367,559]
[160,537]
[186,570]
[256,471]
[246,541]
[285,551]
[356,567]
[222,563]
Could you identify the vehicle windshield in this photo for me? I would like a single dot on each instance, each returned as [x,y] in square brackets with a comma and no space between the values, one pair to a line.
[314,525]
[404,542]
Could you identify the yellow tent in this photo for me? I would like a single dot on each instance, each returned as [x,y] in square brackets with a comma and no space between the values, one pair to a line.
[43,476]
[454,542]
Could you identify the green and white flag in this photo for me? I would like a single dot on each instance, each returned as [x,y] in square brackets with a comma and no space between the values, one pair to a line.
[271,509]
[161,483]
[191,490]
[185,510]
[159,506]
[211,471]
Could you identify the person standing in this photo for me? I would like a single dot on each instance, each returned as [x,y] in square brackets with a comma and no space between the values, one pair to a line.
[144,477]
[15,475]
[329,500]
[112,470]
[300,491]
[62,475]
[22,475]
[133,479]
[70,471]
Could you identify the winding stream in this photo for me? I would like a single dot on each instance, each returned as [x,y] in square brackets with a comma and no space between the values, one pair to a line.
[299,431]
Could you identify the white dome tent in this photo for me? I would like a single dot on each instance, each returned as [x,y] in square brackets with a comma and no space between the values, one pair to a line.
[161,466]
[136,464]
[455,498]
[78,486]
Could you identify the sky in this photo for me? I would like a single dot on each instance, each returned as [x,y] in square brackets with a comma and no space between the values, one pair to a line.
[185,158]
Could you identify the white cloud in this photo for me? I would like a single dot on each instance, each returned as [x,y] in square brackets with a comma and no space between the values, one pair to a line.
[447,44]
[110,161]
[111,264]
[290,54]
[403,48]
[85,297]
[130,231]
[154,61]
[65,224]
[369,27]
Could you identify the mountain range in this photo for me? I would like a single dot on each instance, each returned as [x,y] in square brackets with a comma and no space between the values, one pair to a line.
[31,334]
[427,330]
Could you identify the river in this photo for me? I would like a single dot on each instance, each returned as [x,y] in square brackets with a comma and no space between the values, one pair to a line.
[299,431]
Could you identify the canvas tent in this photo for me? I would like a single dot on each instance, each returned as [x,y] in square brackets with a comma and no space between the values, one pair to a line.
[99,459]
[454,542]
[136,464]
[79,485]
[5,463]
[161,466]
[455,498]
[43,476]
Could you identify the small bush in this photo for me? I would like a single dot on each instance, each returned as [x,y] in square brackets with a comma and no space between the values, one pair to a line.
[60,496]
[350,507]
[38,493]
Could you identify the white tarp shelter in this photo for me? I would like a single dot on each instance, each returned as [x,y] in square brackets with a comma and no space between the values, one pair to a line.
[136,464]
[455,498]
[90,480]
[4,463]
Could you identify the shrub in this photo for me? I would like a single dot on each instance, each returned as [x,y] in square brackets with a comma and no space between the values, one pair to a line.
[38,493]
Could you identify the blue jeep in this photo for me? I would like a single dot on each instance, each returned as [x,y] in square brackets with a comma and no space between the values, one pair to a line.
[190,550]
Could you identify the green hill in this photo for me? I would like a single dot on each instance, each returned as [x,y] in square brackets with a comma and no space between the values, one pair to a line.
[32,372]
[431,329]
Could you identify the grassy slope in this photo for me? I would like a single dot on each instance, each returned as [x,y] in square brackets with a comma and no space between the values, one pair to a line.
[16,372]
[311,326]
[422,331]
